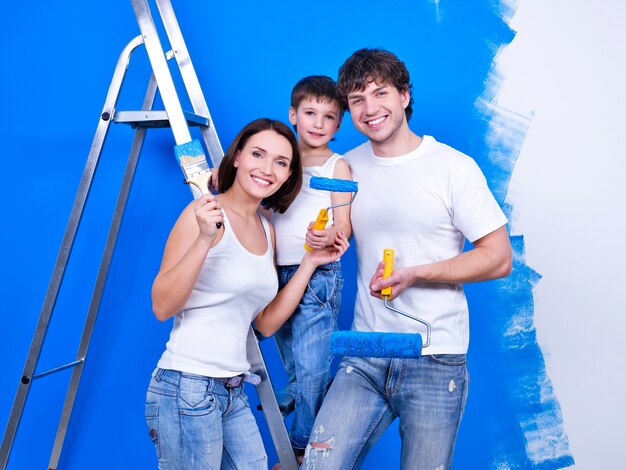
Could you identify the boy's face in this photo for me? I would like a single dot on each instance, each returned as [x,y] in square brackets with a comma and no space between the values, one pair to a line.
[316,121]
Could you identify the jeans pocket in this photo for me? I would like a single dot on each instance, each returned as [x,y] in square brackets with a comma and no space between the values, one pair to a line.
[320,289]
[449,359]
[196,402]
[152,420]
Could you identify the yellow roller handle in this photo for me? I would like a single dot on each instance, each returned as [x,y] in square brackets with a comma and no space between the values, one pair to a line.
[388,269]
[320,224]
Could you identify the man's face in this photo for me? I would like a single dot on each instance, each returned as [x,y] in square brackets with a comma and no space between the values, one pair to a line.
[378,111]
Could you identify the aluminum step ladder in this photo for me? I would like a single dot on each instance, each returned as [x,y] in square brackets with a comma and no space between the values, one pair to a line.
[179,121]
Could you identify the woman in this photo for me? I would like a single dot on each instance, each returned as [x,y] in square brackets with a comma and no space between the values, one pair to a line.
[215,281]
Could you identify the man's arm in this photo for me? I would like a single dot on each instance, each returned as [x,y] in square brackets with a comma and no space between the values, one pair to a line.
[491,258]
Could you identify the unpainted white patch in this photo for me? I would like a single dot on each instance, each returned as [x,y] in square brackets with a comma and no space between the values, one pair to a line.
[452,386]
[317,449]
[349,369]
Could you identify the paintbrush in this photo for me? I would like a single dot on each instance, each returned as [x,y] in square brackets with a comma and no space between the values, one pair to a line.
[196,169]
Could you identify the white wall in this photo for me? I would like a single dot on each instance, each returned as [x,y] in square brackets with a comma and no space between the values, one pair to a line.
[567,66]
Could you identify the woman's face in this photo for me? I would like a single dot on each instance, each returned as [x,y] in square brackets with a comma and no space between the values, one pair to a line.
[263,164]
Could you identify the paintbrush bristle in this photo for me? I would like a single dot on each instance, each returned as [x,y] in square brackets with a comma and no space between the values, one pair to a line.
[187,159]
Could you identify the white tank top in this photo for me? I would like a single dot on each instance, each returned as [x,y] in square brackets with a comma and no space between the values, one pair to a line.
[291,227]
[209,334]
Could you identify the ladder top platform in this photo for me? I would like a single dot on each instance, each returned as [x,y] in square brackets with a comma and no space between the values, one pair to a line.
[156,119]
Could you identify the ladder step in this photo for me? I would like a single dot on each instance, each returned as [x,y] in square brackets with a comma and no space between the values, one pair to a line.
[286,403]
[25,379]
[156,119]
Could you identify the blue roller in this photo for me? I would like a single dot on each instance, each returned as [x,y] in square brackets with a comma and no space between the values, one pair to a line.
[373,344]
[334,184]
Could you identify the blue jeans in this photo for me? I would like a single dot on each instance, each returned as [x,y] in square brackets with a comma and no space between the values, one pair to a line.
[427,394]
[304,344]
[198,422]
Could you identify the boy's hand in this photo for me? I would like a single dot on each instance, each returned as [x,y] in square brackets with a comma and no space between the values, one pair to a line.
[318,239]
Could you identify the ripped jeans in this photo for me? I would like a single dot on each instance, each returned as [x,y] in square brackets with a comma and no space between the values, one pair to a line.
[427,394]
[304,343]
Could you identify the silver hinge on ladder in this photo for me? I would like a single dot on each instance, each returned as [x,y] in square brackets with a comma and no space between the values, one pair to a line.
[179,121]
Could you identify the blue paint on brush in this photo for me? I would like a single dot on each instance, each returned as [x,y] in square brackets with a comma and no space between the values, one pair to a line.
[333,184]
[190,149]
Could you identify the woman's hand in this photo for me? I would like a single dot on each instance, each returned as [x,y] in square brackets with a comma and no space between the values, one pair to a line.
[330,253]
[208,212]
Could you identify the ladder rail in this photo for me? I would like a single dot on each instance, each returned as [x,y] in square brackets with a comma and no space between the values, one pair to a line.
[65,250]
[101,279]
[161,72]
[271,409]
[190,79]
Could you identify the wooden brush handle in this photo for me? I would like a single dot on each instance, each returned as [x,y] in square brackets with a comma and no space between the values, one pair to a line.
[201,181]
[388,269]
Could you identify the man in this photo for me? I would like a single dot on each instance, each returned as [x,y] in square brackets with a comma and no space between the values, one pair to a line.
[422,199]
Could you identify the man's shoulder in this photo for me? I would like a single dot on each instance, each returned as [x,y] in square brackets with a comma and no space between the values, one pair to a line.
[451,155]
[364,149]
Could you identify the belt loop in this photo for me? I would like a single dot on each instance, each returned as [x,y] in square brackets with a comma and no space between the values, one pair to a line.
[158,373]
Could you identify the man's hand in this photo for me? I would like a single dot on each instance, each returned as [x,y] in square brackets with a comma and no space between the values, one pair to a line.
[399,280]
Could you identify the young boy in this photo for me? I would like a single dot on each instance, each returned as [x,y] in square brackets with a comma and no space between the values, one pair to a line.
[304,340]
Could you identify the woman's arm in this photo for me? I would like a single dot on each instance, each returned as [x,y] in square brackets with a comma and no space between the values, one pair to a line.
[188,244]
[272,317]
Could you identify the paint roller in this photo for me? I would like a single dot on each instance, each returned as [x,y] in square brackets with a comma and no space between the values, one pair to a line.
[334,185]
[382,345]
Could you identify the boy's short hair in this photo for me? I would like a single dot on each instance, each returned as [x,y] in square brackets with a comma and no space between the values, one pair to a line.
[374,65]
[320,87]
[281,199]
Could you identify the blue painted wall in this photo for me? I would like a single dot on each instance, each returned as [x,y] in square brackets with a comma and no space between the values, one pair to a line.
[58,64]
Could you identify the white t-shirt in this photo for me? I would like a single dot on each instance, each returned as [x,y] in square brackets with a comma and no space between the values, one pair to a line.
[209,334]
[290,228]
[423,205]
